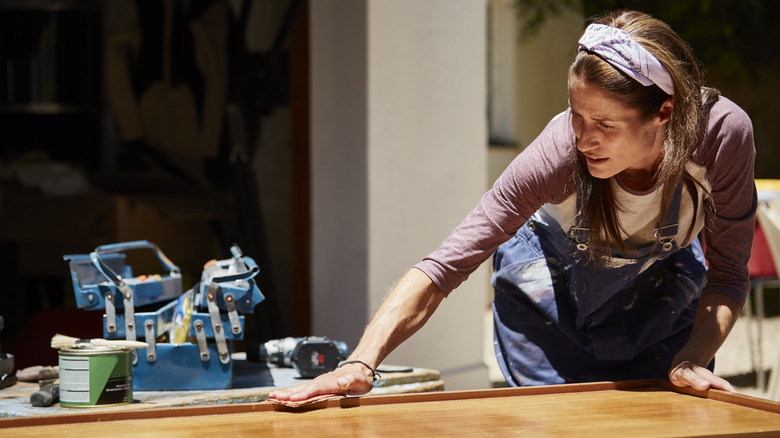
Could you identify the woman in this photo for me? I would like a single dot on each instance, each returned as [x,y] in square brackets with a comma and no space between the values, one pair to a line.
[598,271]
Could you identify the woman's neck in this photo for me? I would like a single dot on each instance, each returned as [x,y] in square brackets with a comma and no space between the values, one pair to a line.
[637,183]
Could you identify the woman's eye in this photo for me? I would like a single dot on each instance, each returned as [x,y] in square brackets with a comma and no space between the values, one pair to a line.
[605,126]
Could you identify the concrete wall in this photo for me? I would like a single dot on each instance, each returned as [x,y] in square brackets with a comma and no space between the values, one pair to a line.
[398,158]
[339,157]
[542,67]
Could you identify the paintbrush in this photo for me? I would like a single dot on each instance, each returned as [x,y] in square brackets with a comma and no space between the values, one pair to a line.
[61,341]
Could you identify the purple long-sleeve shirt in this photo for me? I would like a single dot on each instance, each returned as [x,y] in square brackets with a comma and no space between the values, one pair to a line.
[539,181]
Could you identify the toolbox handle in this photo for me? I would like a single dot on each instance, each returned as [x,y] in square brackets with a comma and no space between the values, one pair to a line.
[125,246]
[252,270]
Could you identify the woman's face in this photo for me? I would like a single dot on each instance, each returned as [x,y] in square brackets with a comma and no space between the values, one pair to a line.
[613,137]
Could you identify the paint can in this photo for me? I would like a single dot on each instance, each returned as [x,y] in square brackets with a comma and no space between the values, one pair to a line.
[95,376]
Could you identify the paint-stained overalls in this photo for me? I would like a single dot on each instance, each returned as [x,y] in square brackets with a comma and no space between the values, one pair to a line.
[561,318]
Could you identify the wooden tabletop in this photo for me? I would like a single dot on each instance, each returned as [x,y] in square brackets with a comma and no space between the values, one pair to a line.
[252,382]
[636,409]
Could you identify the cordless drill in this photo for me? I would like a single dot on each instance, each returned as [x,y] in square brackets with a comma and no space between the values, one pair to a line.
[309,356]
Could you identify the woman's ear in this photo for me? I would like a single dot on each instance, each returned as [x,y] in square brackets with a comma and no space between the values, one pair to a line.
[665,113]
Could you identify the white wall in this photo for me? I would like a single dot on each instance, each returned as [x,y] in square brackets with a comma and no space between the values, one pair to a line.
[339,154]
[542,70]
[399,157]
[427,161]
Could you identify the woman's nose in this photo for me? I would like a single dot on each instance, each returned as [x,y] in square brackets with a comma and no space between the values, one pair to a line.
[585,138]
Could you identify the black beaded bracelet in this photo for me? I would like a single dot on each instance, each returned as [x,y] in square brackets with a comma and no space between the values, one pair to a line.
[375,375]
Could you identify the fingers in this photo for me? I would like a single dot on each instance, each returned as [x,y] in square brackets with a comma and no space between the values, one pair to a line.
[340,381]
[684,374]
[295,393]
[722,384]
[304,391]
[697,377]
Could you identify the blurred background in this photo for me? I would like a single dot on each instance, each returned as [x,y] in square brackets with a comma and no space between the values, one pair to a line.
[337,142]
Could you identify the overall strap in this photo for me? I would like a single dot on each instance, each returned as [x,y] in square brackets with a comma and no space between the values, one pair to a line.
[580,231]
[665,234]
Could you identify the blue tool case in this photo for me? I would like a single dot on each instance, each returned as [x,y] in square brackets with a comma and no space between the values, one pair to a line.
[206,317]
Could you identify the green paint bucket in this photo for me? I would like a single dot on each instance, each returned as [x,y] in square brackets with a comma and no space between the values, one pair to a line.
[95,376]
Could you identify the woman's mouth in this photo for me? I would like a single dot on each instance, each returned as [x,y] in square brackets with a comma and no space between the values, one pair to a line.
[595,161]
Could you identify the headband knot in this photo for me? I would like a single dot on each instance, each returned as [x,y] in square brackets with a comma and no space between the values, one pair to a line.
[618,48]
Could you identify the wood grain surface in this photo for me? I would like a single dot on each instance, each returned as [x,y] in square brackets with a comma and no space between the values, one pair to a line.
[254,384]
[637,409]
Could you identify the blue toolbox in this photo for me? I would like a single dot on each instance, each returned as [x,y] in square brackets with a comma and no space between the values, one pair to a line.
[189,337]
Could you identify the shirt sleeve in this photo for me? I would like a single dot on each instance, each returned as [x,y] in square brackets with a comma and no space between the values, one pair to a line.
[541,174]
[729,155]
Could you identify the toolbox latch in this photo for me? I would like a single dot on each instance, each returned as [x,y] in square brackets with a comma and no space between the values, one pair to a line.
[200,335]
[216,323]
[127,296]
[110,312]
[230,305]
[151,349]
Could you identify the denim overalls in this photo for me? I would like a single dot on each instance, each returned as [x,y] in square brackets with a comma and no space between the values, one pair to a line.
[562,318]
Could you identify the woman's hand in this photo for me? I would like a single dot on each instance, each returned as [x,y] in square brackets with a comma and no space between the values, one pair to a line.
[715,316]
[687,373]
[409,305]
[350,379]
